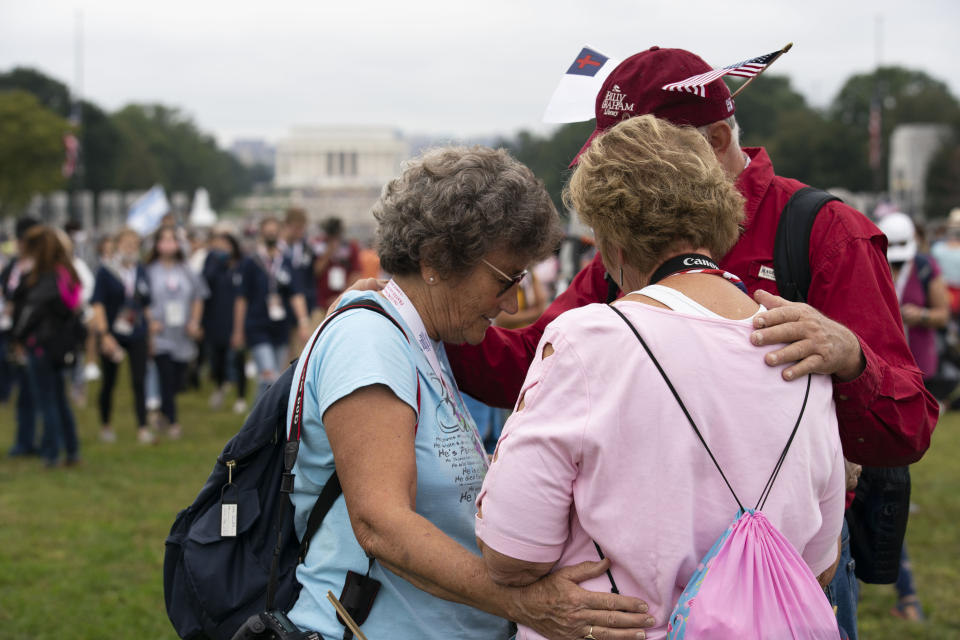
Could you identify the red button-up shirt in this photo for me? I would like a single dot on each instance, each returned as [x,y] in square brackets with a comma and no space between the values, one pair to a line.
[886,415]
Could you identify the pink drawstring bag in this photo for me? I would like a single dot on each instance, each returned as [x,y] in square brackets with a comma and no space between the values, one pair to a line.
[752,583]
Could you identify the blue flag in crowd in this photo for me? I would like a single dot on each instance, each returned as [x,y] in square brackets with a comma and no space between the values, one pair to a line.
[146,213]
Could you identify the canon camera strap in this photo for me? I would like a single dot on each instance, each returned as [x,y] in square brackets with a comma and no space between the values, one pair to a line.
[694,263]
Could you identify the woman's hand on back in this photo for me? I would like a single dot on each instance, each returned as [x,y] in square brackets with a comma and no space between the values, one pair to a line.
[558,608]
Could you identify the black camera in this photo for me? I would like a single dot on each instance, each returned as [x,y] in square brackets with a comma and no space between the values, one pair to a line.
[272,625]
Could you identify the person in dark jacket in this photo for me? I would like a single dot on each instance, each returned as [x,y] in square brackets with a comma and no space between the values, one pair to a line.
[45,329]
[121,301]
[24,443]
[268,295]
[220,271]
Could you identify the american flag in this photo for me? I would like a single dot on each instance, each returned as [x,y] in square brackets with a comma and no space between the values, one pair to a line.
[875,129]
[747,69]
[72,148]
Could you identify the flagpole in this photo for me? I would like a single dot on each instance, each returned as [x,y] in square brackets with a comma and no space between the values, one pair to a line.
[76,185]
[767,66]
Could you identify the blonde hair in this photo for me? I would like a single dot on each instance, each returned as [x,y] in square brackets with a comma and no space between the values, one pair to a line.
[126,232]
[651,187]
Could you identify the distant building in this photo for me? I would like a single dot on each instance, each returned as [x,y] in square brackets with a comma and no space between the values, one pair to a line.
[912,148]
[253,151]
[339,171]
[338,157]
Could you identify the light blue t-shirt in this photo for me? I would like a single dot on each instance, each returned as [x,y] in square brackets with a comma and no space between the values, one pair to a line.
[358,349]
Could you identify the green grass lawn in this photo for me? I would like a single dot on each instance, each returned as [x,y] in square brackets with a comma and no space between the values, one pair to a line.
[81,550]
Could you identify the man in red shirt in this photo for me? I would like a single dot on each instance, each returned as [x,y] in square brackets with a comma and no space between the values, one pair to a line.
[851,328]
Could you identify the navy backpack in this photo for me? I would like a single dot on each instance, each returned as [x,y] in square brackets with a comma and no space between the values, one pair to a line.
[214,583]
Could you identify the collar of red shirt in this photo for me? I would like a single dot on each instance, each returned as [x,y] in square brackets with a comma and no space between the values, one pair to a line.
[754,181]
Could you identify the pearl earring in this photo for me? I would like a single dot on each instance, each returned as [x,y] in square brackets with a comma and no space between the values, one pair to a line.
[432,279]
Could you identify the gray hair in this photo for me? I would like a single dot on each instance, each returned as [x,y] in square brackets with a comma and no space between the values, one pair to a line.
[451,206]
[731,122]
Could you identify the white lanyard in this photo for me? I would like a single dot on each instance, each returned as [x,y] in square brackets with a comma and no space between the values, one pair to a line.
[408,312]
[173,280]
[129,278]
[272,267]
[273,264]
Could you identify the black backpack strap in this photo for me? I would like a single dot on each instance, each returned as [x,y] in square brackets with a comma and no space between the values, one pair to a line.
[331,490]
[791,249]
[328,495]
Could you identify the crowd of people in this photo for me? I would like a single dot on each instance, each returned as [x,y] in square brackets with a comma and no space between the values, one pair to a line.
[181,302]
[596,444]
[173,304]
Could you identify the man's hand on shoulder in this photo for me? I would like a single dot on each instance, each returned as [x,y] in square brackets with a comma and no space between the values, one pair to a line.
[363,284]
[813,342]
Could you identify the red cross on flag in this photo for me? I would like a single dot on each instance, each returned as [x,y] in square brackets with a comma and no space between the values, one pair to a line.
[573,99]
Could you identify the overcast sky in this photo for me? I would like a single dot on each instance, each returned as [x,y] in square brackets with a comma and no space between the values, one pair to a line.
[438,67]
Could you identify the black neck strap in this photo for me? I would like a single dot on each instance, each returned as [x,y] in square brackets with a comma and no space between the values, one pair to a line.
[682,262]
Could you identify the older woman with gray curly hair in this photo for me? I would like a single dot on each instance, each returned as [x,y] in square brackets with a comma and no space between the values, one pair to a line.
[381,409]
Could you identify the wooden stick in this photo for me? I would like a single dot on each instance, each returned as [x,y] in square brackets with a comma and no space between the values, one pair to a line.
[752,78]
[347,618]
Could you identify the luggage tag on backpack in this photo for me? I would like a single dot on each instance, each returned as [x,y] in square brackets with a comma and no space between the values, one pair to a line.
[228,505]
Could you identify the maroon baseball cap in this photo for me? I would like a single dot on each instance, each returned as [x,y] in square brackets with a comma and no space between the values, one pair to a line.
[634,88]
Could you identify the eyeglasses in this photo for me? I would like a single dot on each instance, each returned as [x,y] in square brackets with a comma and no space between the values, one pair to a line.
[512,280]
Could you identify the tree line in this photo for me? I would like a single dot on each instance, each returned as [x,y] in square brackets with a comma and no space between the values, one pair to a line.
[131,149]
[826,147]
[144,144]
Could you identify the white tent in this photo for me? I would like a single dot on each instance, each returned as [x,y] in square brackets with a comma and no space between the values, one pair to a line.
[201,215]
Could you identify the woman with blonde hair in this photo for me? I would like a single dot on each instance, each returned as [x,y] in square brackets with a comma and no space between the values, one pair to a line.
[599,454]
